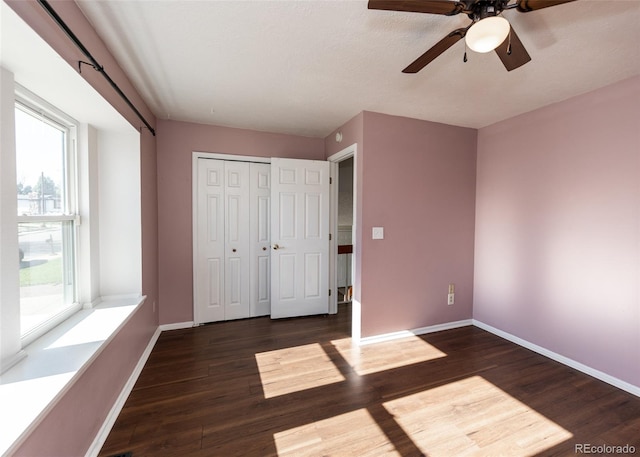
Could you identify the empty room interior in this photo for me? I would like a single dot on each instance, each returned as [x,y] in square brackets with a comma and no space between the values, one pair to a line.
[308,227]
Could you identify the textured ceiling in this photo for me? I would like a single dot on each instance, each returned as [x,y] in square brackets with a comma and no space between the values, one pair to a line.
[306,67]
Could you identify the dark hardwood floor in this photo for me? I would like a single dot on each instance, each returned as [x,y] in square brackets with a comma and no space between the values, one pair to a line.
[297,387]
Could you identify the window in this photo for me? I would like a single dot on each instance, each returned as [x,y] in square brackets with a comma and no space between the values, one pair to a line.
[47,215]
[70,218]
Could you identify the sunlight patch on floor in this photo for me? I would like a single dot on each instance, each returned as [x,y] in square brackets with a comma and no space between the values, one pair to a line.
[383,356]
[473,417]
[327,437]
[294,369]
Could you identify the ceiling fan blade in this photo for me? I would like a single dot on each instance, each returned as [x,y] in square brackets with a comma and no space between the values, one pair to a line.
[524,6]
[446,7]
[518,56]
[436,50]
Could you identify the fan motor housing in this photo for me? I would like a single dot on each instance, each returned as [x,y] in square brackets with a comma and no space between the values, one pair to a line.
[485,8]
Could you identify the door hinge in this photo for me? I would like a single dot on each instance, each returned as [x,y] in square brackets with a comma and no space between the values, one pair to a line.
[330,180]
[329,292]
[329,236]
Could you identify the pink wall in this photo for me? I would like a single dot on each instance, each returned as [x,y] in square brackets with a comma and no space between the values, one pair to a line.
[417,180]
[176,142]
[73,422]
[557,259]
[352,132]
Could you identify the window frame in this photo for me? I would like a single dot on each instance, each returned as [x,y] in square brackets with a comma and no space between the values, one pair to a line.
[32,104]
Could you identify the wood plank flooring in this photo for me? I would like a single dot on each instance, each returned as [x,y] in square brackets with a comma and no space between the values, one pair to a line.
[298,387]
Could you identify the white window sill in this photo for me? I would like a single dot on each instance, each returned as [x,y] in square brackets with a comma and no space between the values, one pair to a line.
[53,363]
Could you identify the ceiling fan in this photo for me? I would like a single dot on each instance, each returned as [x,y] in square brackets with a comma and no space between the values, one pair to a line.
[488,30]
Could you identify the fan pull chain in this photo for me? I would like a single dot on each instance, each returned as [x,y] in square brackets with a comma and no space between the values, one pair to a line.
[509,43]
[464,59]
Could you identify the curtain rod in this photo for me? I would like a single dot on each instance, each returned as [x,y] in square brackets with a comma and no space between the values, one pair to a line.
[92,61]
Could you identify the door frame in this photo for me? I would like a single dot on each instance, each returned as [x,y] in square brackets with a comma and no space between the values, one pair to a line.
[335,159]
[195,155]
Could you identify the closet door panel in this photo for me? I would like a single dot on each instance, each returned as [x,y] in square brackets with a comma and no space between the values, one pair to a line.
[209,278]
[260,227]
[237,252]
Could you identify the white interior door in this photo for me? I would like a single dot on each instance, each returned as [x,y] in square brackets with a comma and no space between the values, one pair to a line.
[209,274]
[300,237]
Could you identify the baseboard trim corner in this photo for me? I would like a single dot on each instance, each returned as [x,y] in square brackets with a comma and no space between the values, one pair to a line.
[176,326]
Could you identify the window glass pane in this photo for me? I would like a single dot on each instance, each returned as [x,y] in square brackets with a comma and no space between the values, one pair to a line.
[46,243]
[46,271]
[40,166]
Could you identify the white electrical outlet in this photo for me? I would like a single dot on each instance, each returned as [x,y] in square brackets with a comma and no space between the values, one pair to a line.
[377,233]
[450,299]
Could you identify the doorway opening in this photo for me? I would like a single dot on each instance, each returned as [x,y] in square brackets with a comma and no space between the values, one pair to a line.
[345,231]
[343,261]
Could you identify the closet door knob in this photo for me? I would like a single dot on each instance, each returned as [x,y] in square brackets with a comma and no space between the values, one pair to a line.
[275,246]
[264,248]
[234,250]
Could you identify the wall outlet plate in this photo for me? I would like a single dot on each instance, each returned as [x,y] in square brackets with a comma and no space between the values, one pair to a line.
[377,233]
[450,299]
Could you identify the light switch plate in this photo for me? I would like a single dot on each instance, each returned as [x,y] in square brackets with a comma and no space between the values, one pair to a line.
[377,233]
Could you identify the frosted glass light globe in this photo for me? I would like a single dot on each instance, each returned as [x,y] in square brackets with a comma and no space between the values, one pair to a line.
[487,34]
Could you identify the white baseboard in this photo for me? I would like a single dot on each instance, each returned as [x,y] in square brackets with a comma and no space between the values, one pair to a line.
[413,332]
[104,431]
[176,326]
[620,384]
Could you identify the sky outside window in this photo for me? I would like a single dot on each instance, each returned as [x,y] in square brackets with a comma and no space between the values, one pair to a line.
[40,158]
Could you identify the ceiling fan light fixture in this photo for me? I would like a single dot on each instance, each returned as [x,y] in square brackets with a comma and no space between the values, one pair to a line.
[487,34]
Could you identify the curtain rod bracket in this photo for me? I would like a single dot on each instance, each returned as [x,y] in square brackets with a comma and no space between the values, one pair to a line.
[96,68]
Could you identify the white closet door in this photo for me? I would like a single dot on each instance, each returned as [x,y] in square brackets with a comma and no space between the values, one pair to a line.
[209,275]
[239,217]
[300,237]
[237,248]
[260,175]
